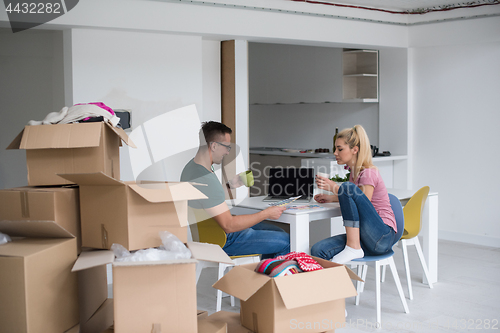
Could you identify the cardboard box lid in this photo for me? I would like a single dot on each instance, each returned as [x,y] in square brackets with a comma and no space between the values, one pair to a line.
[241,283]
[64,136]
[232,319]
[154,192]
[296,290]
[199,251]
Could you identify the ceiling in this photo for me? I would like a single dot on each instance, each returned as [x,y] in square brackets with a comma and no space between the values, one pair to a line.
[408,5]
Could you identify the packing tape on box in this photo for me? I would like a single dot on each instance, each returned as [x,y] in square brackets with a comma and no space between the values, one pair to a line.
[25,207]
[104,237]
[156,328]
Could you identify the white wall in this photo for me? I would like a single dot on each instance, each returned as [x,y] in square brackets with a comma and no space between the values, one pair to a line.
[31,86]
[455,123]
[151,74]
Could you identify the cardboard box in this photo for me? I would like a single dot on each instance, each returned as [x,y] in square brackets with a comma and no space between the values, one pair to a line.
[38,291]
[154,295]
[70,148]
[232,320]
[50,212]
[131,214]
[309,301]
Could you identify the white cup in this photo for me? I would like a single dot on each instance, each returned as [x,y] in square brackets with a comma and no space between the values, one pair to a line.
[322,174]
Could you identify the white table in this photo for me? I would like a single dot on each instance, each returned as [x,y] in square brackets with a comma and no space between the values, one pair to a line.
[299,222]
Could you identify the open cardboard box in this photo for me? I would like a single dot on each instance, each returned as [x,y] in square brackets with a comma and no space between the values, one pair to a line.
[153,295]
[70,148]
[38,291]
[309,302]
[49,212]
[131,214]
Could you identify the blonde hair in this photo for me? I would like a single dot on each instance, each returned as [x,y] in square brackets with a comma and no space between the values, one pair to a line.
[356,136]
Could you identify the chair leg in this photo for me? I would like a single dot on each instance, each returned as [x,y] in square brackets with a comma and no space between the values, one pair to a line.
[359,271]
[377,292]
[222,268]
[406,260]
[395,275]
[422,260]
[384,268]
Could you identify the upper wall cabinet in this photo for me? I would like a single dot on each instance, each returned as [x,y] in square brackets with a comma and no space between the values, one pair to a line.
[290,74]
[360,75]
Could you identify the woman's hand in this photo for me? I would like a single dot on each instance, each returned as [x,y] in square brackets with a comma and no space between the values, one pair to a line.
[324,198]
[326,184]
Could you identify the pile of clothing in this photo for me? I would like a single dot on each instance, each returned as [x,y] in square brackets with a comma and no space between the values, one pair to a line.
[292,263]
[78,113]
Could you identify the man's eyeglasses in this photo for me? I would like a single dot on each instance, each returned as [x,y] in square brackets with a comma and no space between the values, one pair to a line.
[226,146]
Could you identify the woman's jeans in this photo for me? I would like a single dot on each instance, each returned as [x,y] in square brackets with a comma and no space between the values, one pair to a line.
[263,238]
[358,212]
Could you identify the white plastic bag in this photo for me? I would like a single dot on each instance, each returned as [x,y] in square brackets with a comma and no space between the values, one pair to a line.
[4,239]
[171,249]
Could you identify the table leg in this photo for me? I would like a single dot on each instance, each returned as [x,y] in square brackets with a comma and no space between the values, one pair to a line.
[430,237]
[337,226]
[299,234]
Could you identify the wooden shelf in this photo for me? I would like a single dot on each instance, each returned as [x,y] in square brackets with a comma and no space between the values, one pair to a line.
[360,75]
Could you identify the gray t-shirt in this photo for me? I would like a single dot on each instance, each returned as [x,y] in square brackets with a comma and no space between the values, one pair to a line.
[196,173]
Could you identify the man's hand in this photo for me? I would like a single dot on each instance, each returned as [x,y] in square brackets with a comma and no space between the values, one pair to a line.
[235,182]
[274,212]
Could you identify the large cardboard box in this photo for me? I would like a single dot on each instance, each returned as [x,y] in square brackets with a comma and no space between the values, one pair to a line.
[129,213]
[309,301]
[154,295]
[38,290]
[40,212]
[70,148]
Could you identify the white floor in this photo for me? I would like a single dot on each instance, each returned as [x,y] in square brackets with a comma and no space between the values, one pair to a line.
[466,297]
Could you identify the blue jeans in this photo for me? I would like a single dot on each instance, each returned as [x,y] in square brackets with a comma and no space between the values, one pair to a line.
[357,211]
[263,238]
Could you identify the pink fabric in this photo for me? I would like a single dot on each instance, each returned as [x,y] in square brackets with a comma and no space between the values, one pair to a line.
[101,105]
[380,198]
[305,261]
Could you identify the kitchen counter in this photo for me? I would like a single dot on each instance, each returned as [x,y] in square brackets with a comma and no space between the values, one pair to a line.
[279,151]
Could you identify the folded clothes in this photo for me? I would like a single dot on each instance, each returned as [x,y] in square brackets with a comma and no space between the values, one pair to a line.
[276,267]
[77,113]
[305,261]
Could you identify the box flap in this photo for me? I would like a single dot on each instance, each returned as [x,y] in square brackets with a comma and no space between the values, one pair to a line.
[92,179]
[89,259]
[167,192]
[315,287]
[61,136]
[241,282]
[16,143]
[154,263]
[209,252]
[30,228]
[121,133]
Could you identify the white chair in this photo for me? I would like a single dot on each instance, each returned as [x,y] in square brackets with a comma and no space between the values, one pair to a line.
[381,261]
[209,231]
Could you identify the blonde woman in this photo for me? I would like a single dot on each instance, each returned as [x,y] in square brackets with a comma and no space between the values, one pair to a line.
[366,210]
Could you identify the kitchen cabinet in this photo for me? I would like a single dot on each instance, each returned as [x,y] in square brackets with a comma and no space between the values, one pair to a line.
[293,74]
[360,75]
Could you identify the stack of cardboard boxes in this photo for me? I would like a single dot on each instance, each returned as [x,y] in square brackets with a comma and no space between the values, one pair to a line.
[53,278]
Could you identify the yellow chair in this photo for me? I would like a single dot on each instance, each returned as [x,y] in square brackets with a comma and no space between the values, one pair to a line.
[413,224]
[209,231]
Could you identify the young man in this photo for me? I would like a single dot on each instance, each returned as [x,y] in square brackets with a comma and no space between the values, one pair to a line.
[245,233]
